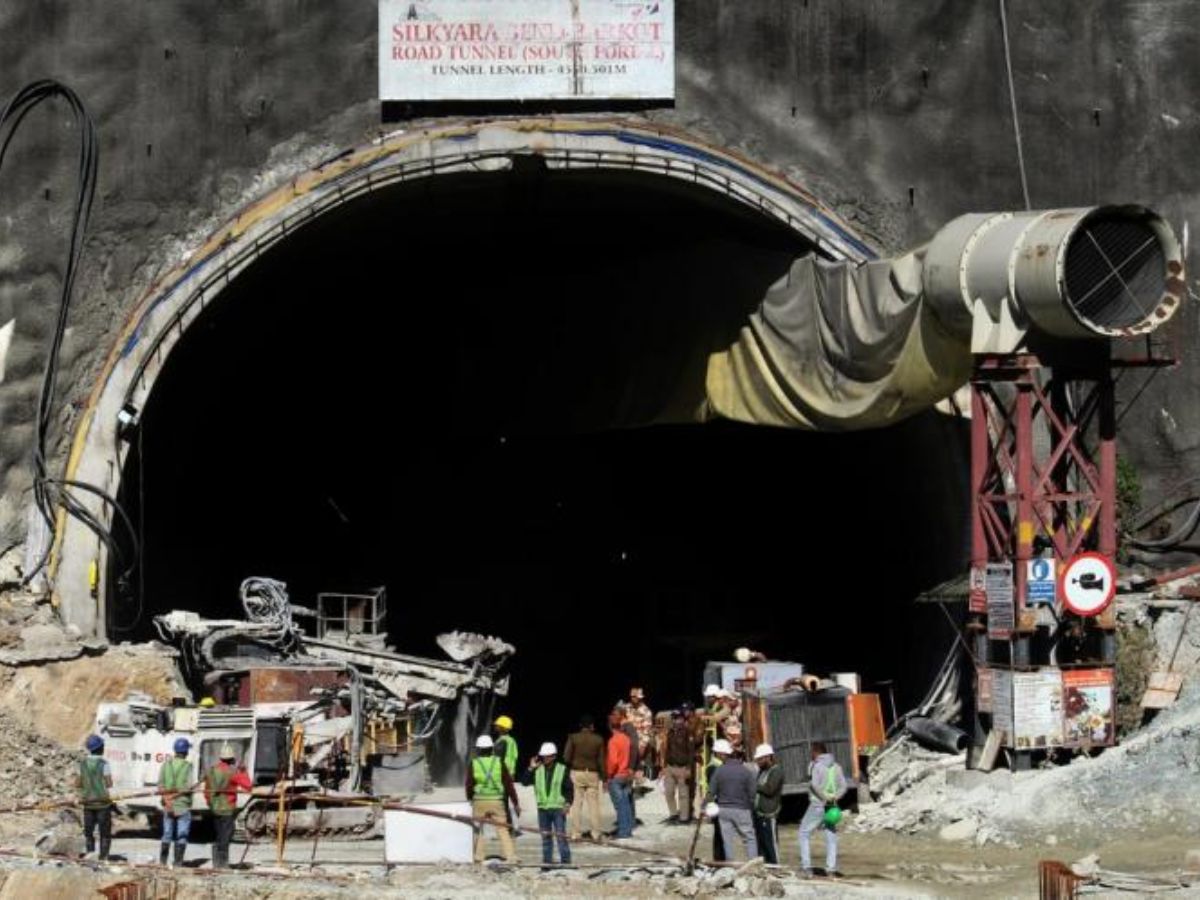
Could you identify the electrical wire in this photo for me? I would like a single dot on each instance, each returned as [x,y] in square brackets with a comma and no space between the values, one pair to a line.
[51,494]
[1012,98]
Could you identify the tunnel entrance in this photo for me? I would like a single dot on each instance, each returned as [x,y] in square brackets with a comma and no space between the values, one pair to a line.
[453,388]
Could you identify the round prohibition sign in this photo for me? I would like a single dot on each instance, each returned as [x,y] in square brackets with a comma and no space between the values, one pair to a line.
[1088,584]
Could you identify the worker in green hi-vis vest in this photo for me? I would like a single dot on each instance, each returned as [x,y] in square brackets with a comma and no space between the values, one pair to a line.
[175,784]
[488,786]
[93,781]
[221,785]
[507,752]
[555,793]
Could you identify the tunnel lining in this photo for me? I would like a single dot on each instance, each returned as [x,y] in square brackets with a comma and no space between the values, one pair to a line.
[178,300]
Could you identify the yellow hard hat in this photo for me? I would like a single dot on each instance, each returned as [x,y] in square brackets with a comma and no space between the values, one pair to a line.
[504,722]
[207,702]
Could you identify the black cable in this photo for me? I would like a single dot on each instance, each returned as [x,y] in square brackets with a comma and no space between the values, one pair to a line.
[49,493]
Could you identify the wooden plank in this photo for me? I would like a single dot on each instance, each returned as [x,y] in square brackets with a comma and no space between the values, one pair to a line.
[1162,690]
[991,750]
[1158,699]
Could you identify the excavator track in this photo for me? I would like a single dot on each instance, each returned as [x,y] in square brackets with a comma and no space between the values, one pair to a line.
[308,820]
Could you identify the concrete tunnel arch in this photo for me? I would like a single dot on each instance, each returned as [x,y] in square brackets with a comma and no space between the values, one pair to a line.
[177,300]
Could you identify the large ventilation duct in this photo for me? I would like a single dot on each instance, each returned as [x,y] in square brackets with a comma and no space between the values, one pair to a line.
[838,346]
[1104,272]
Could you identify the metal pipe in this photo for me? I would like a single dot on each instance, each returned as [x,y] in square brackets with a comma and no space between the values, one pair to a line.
[1107,271]
[937,735]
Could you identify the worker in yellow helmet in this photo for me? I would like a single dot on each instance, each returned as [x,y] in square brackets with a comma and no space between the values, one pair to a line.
[506,745]
[506,750]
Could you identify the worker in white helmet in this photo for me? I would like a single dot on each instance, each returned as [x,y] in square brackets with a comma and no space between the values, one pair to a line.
[222,783]
[488,785]
[767,803]
[555,793]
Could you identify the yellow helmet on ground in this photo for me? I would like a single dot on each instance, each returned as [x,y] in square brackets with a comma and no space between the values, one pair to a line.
[504,722]
[207,702]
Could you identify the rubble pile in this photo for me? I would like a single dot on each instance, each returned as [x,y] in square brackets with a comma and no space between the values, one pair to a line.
[31,633]
[751,879]
[33,769]
[1147,782]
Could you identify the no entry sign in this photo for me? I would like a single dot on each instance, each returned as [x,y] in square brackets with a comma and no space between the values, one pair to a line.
[1088,584]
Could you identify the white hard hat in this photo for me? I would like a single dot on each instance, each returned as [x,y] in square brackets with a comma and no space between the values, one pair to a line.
[712,690]
[484,742]
[548,749]
[742,654]
[763,750]
[720,745]
[711,810]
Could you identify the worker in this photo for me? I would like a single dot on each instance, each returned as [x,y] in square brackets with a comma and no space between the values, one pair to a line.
[712,694]
[635,761]
[584,756]
[488,784]
[506,751]
[731,721]
[175,781]
[768,800]
[221,785]
[678,754]
[641,718]
[711,811]
[826,786]
[619,774]
[554,793]
[732,788]
[506,745]
[94,781]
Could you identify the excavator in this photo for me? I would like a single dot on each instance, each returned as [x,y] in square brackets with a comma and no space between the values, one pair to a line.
[323,724]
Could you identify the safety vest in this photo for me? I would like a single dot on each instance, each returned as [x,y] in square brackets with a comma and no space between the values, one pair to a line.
[94,789]
[218,779]
[552,798]
[508,754]
[488,777]
[831,782]
[176,777]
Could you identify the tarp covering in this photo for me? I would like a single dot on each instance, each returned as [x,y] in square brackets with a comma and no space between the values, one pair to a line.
[839,346]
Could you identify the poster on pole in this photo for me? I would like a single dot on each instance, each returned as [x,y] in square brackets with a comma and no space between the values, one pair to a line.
[983,689]
[1002,703]
[1037,709]
[1089,707]
[492,50]
[1001,613]
[977,590]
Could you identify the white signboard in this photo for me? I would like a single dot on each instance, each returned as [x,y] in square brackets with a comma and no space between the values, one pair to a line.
[526,49]
[1037,709]
[1088,584]
[414,838]
[1028,707]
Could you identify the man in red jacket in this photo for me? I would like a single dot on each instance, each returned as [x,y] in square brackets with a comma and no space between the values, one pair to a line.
[221,785]
[619,774]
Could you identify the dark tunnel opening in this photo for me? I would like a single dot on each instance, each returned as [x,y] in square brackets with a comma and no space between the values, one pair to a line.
[448,388]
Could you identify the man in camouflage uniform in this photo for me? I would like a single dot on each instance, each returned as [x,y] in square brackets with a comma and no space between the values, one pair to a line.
[642,719]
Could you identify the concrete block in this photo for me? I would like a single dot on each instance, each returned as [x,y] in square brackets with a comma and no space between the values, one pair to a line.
[959,831]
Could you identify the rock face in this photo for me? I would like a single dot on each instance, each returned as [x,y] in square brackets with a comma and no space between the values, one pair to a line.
[895,117]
